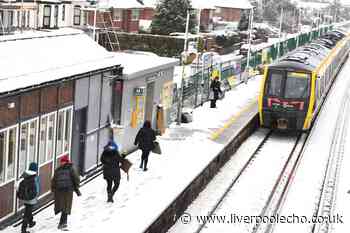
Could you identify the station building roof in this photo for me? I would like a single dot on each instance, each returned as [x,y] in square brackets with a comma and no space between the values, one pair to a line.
[35,58]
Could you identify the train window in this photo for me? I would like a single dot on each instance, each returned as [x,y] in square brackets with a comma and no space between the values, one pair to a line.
[297,85]
[274,87]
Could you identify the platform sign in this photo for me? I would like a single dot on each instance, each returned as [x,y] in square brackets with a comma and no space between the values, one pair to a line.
[207,59]
[139,91]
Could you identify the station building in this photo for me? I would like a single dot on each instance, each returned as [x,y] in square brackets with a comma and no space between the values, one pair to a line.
[62,93]
[42,97]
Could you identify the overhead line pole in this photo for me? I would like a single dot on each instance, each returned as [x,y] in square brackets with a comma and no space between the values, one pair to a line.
[280,33]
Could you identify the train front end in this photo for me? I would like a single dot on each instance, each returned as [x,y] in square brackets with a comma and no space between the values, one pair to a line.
[284,99]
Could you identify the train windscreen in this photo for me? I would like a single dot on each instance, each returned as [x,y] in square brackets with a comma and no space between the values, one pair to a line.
[274,87]
[288,85]
[297,86]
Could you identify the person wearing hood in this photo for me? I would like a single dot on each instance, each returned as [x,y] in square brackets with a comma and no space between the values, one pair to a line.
[145,141]
[64,182]
[29,197]
[111,161]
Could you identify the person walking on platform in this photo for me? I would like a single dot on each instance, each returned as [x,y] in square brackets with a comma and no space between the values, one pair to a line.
[145,141]
[28,191]
[111,161]
[215,90]
[64,182]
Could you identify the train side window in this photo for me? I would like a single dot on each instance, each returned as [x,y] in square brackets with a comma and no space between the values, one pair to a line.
[274,85]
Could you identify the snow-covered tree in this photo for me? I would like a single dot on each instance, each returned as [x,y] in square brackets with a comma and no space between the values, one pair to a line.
[170,16]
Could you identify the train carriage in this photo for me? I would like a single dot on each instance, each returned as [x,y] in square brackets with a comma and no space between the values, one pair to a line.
[295,86]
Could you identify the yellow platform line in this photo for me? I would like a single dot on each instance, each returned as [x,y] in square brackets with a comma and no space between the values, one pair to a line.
[232,120]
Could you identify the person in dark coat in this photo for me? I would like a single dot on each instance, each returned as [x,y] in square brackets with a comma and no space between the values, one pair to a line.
[145,141]
[111,161]
[30,174]
[215,88]
[64,182]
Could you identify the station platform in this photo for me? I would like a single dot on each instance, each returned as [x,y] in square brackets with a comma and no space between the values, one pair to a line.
[186,151]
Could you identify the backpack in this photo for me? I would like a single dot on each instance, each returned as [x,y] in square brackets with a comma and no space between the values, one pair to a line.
[27,189]
[63,179]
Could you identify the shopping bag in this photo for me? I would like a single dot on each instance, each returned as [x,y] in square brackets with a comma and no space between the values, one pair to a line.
[211,95]
[126,164]
[156,149]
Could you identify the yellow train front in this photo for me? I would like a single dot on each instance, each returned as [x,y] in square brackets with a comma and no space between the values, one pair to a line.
[295,86]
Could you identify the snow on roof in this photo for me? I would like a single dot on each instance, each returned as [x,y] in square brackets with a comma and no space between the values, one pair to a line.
[237,4]
[209,4]
[136,65]
[31,59]
[311,5]
[120,4]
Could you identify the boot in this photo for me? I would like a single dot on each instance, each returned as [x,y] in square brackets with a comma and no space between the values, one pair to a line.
[24,227]
[32,224]
[141,164]
[110,198]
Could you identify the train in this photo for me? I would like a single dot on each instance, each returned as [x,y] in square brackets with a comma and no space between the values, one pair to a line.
[294,87]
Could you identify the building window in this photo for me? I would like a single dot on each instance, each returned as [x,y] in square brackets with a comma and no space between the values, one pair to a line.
[8,148]
[135,14]
[28,144]
[2,18]
[85,17]
[117,14]
[11,15]
[18,18]
[76,17]
[11,153]
[28,19]
[63,12]
[56,16]
[47,16]
[64,131]
[47,137]
[3,143]
[23,18]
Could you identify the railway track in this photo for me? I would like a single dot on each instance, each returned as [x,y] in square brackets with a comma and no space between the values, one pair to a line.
[327,197]
[289,156]
[279,191]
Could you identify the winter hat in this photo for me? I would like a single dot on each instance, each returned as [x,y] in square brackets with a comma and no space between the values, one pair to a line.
[112,145]
[64,159]
[33,167]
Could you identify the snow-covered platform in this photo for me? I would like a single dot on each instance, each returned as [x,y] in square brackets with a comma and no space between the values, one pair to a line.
[187,150]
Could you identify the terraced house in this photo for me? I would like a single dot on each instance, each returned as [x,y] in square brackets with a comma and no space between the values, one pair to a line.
[38,14]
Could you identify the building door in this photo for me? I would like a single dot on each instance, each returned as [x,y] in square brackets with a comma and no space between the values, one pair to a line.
[149,101]
[47,16]
[79,138]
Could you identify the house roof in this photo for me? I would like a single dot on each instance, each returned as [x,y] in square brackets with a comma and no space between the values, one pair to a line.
[35,58]
[136,64]
[209,4]
[237,4]
[121,4]
[310,5]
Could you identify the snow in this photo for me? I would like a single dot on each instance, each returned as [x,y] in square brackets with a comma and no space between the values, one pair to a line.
[187,149]
[41,60]
[309,176]
[120,4]
[207,199]
[136,63]
[311,5]
[237,4]
[250,192]
[48,56]
[210,4]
